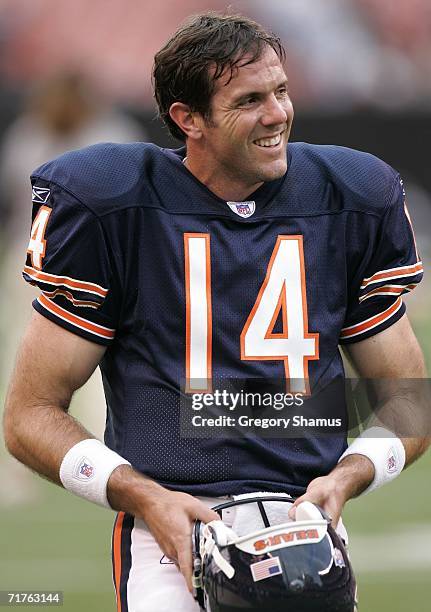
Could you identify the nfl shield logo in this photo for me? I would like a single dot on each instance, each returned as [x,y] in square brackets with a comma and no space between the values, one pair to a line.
[242,209]
[338,558]
[84,470]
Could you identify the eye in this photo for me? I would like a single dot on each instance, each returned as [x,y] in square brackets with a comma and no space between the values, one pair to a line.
[282,92]
[248,101]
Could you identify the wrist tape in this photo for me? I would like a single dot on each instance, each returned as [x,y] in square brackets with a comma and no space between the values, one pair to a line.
[385,451]
[86,468]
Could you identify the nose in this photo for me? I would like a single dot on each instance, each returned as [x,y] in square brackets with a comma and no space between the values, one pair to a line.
[276,112]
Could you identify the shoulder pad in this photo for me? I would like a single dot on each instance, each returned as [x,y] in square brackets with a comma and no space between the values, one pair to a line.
[104,176]
[367,180]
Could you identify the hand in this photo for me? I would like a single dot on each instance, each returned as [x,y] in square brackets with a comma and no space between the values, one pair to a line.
[348,479]
[169,516]
[324,492]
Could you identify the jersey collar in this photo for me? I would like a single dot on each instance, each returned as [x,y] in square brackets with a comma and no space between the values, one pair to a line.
[262,197]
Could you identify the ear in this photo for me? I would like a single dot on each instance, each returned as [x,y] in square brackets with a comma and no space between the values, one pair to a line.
[188,121]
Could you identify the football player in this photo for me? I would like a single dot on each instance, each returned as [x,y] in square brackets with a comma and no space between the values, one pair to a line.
[234,257]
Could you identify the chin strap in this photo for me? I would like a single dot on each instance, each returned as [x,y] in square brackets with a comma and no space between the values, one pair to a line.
[209,547]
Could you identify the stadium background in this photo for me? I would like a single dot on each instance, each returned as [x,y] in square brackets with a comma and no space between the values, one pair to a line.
[72,73]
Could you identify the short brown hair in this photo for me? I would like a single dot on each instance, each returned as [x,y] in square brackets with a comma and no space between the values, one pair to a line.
[181,71]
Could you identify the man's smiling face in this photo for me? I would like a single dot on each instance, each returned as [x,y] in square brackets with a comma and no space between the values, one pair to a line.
[251,116]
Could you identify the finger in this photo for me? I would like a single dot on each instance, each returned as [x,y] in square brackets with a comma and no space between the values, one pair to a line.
[334,521]
[329,512]
[206,515]
[332,513]
[185,564]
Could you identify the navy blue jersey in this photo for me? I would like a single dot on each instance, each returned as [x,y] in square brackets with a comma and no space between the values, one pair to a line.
[131,251]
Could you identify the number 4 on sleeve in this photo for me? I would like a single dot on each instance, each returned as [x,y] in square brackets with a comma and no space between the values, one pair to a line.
[37,244]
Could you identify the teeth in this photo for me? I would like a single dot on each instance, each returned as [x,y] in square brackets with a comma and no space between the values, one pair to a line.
[269,142]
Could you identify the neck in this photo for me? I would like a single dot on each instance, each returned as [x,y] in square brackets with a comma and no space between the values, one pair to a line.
[223,186]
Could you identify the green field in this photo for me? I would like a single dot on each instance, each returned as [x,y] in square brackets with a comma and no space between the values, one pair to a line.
[62,543]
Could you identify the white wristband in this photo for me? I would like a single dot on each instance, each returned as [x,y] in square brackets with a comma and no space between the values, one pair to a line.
[384,450]
[86,468]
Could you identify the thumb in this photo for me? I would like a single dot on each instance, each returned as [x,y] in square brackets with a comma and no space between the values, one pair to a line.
[292,509]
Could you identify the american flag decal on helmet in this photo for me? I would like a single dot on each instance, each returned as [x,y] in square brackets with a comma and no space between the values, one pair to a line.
[266,569]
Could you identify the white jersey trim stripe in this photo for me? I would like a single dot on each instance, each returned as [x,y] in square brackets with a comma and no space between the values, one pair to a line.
[69,296]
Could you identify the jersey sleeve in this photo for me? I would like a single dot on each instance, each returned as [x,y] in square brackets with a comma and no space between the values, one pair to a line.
[68,258]
[391,268]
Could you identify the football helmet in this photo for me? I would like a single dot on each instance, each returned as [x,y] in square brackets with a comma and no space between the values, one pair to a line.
[297,566]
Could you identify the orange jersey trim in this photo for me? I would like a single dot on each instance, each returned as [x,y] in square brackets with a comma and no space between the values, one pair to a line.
[117,556]
[71,283]
[360,328]
[393,273]
[406,210]
[388,290]
[65,315]
[187,237]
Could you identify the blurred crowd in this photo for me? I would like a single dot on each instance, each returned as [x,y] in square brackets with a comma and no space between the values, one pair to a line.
[354,53]
[342,53]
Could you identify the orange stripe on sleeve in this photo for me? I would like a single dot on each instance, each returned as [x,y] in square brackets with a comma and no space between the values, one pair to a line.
[360,328]
[94,328]
[117,556]
[388,290]
[393,273]
[71,283]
